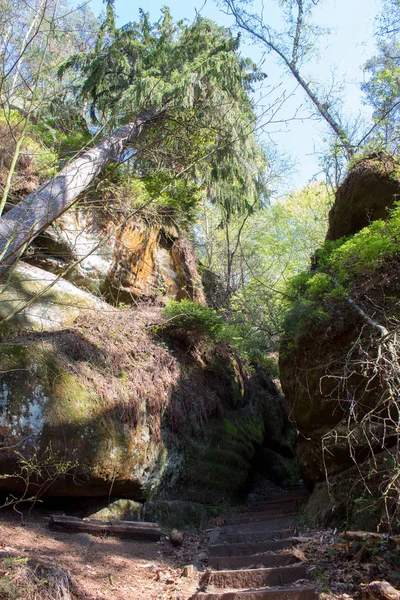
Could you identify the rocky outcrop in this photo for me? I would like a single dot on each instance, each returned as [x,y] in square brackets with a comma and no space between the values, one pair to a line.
[311,371]
[334,379]
[123,262]
[31,298]
[367,194]
[110,406]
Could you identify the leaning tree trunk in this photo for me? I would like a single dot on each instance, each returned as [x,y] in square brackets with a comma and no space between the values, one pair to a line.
[37,211]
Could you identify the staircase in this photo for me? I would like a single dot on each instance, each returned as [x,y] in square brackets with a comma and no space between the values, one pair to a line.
[245,554]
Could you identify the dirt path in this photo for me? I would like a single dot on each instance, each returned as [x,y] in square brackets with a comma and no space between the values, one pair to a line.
[249,552]
[103,568]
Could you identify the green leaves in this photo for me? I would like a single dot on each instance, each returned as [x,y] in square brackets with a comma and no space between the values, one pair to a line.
[194,71]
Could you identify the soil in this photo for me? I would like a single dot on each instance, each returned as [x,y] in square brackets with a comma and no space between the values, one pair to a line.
[103,568]
[107,568]
[338,567]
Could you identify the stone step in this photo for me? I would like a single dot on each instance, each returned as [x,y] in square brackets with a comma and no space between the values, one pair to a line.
[272,593]
[256,517]
[254,578]
[259,526]
[297,498]
[241,538]
[273,506]
[244,549]
[273,509]
[252,561]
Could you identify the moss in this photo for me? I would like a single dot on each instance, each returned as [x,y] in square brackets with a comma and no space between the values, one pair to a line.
[146,425]
[230,427]
[317,295]
[217,469]
[74,404]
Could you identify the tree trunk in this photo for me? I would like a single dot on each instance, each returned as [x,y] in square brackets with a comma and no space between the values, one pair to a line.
[37,211]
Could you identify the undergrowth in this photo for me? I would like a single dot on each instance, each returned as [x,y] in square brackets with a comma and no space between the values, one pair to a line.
[202,322]
[315,295]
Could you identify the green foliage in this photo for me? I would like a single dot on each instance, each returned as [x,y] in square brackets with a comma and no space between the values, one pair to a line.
[34,152]
[313,295]
[66,141]
[195,318]
[255,256]
[205,322]
[195,76]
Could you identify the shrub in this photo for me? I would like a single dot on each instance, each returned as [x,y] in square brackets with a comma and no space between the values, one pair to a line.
[192,317]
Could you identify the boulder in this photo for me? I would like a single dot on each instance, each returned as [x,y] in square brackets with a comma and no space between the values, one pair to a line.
[106,406]
[124,263]
[41,302]
[367,194]
[119,510]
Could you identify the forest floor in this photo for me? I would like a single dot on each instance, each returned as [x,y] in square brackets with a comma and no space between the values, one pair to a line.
[106,568]
[338,567]
[102,568]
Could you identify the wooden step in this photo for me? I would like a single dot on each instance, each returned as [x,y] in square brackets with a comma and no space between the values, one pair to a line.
[251,517]
[273,593]
[248,548]
[252,561]
[296,501]
[254,578]
[259,526]
[273,509]
[241,538]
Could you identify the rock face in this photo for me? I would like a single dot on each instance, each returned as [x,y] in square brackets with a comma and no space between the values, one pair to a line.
[367,194]
[309,373]
[47,304]
[125,263]
[329,350]
[100,399]
[124,410]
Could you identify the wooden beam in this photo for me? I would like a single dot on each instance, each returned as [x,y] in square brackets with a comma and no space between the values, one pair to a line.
[131,530]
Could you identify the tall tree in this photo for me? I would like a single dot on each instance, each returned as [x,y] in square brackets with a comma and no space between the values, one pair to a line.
[382,85]
[187,81]
[292,46]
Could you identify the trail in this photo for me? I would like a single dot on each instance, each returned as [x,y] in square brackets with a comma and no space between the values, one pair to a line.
[248,557]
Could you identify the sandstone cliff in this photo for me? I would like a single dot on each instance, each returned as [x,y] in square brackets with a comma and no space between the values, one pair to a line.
[98,398]
[339,355]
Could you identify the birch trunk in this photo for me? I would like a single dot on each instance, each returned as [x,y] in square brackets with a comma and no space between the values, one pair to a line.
[37,211]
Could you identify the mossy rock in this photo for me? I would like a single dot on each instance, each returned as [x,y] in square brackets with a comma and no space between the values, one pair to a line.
[43,406]
[132,416]
[278,469]
[43,304]
[367,194]
[119,510]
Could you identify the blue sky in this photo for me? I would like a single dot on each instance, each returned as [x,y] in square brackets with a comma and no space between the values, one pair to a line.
[342,53]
